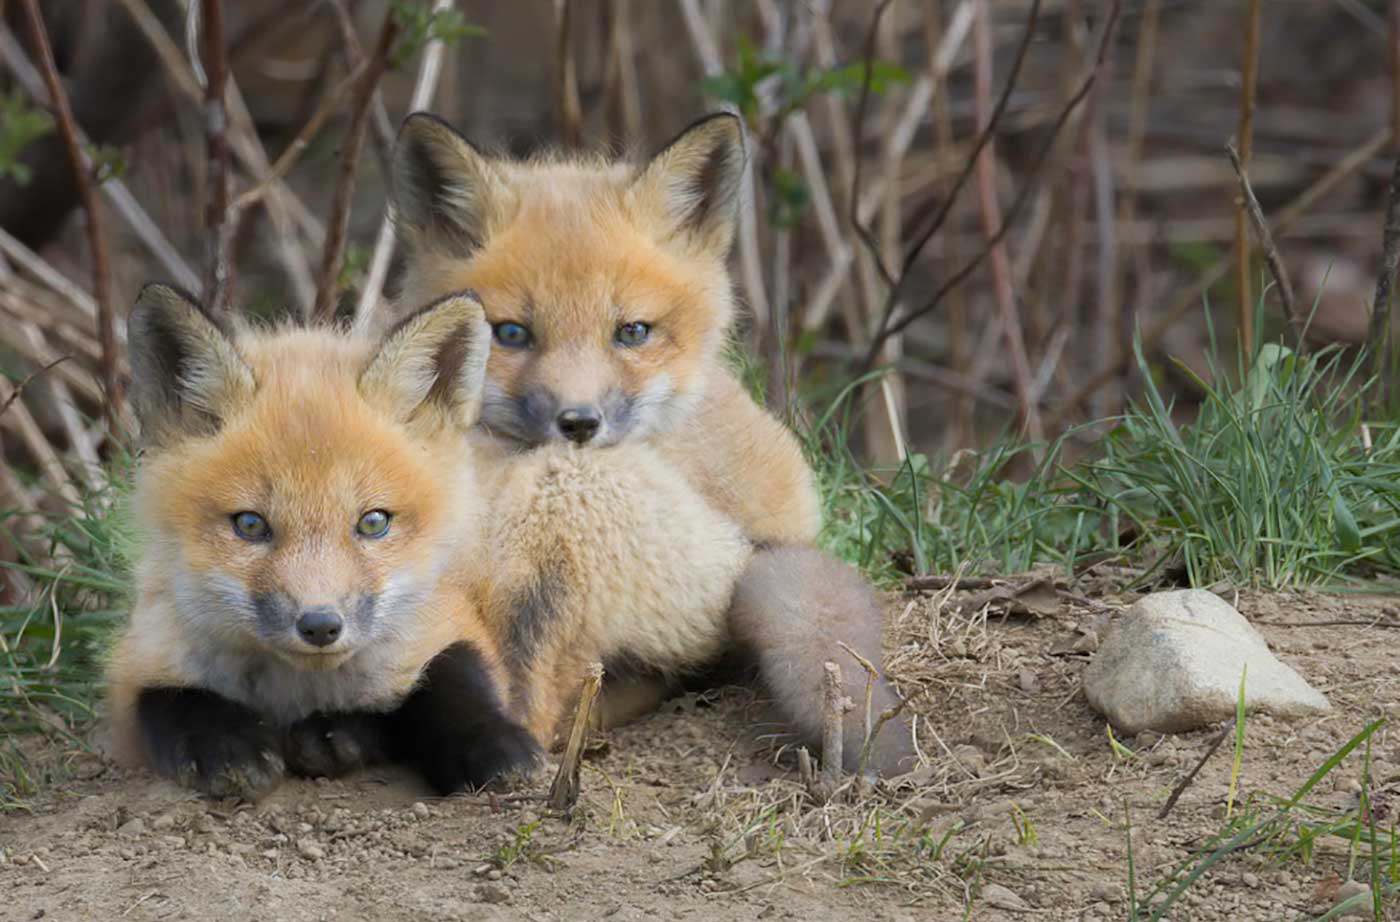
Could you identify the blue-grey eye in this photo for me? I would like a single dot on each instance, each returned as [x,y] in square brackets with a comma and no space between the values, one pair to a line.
[632,334]
[513,335]
[373,524]
[250,526]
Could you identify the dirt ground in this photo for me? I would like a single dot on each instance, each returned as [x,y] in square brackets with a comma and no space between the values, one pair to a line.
[692,813]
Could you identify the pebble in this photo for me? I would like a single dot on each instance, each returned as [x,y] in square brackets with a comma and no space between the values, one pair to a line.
[132,829]
[420,810]
[1000,897]
[164,821]
[1251,881]
[492,892]
[1351,889]
[309,850]
[1028,681]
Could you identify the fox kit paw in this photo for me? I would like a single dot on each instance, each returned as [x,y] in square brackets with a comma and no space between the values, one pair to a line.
[453,728]
[209,743]
[467,760]
[331,745]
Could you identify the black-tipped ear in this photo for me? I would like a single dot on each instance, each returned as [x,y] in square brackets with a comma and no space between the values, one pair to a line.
[433,364]
[695,180]
[445,191]
[186,373]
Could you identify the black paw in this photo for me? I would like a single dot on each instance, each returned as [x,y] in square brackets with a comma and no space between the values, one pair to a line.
[209,743]
[468,760]
[453,728]
[332,745]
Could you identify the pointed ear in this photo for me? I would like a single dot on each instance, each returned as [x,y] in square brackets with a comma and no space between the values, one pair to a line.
[186,373]
[695,181]
[433,364]
[445,192]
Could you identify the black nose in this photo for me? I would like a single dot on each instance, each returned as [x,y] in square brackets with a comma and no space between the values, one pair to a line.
[579,424]
[319,627]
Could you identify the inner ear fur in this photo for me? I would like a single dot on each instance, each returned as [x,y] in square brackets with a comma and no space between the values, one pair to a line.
[432,365]
[446,193]
[696,179]
[186,373]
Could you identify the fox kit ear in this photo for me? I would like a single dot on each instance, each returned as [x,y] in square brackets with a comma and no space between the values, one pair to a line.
[186,373]
[695,181]
[433,364]
[445,192]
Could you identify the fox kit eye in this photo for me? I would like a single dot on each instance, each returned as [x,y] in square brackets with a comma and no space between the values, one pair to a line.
[632,334]
[250,526]
[373,524]
[513,335]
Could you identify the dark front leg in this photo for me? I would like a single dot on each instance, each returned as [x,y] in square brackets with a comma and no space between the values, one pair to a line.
[454,729]
[336,744]
[210,743]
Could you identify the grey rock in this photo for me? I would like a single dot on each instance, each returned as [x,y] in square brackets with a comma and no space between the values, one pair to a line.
[1000,897]
[1173,662]
[1364,907]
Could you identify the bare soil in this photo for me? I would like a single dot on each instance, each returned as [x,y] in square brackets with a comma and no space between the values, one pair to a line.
[693,813]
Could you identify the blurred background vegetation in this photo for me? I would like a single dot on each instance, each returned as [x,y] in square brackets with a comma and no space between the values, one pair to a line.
[997,264]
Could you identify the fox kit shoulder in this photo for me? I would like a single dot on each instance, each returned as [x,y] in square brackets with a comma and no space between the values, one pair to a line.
[609,298]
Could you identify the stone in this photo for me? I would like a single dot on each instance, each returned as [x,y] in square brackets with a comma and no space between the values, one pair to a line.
[1173,662]
[1365,907]
[310,850]
[999,897]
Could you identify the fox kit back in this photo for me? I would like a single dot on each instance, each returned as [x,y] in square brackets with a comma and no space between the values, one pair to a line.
[305,502]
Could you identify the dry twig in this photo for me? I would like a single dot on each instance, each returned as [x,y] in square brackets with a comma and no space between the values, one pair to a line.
[1191,775]
[333,252]
[889,326]
[1245,136]
[563,793]
[1378,330]
[97,241]
[566,77]
[218,272]
[835,706]
[1266,240]
[424,87]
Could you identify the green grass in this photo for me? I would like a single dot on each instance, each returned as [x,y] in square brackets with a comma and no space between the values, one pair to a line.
[52,643]
[1268,484]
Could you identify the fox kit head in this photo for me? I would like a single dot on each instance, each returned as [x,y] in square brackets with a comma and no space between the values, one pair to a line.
[604,283]
[302,490]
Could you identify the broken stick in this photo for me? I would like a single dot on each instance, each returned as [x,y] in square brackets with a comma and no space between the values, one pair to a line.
[834,712]
[563,793]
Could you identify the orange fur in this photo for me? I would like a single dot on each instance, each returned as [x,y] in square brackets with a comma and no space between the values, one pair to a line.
[310,451]
[573,249]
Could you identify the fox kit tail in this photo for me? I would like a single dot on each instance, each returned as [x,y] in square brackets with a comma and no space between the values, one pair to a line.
[792,609]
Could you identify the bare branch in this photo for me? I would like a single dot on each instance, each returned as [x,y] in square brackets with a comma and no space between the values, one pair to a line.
[1245,137]
[339,222]
[566,77]
[889,326]
[97,241]
[218,270]
[1266,240]
[424,88]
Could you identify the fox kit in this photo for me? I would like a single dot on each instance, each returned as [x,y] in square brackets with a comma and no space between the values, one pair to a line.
[606,287]
[303,501]
[609,300]
[331,575]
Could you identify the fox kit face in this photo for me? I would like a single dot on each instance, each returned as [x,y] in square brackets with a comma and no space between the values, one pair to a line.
[604,284]
[299,494]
